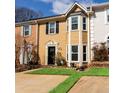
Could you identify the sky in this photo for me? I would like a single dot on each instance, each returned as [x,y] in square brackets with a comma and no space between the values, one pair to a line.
[52,7]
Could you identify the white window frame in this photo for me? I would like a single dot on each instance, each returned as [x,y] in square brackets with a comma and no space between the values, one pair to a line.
[106,14]
[54,28]
[29,27]
[84,23]
[77,53]
[107,41]
[77,23]
[66,52]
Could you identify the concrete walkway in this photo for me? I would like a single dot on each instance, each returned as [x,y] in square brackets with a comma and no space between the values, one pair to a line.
[91,85]
[27,83]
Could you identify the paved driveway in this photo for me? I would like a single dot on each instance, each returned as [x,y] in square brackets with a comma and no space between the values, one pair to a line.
[91,85]
[27,83]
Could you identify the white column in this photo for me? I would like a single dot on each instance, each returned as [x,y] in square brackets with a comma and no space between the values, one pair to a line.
[69,41]
[91,36]
[89,40]
[80,55]
[36,33]
[21,56]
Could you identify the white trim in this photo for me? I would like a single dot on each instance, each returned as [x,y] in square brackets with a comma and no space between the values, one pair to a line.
[105,18]
[82,7]
[21,30]
[106,37]
[30,28]
[77,23]
[36,33]
[90,38]
[80,41]
[86,53]
[21,54]
[77,53]
[66,53]
[51,43]
[69,41]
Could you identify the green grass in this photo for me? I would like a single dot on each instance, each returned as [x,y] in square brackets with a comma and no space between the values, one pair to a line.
[96,72]
[54,71]
[66,85]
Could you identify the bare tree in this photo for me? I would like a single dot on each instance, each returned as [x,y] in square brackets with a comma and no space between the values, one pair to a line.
[23,14]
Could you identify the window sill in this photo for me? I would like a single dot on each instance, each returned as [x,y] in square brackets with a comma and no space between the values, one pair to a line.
[27,36]
[51,33]
[74,62]
[74,30]
[106,23]
[84,30]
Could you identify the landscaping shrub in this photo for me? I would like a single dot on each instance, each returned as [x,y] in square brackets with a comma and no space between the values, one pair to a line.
[31,55]
[82,68]
[100,52]
[60,60]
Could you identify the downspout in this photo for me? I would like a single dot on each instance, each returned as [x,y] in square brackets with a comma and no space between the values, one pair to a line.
[37,39]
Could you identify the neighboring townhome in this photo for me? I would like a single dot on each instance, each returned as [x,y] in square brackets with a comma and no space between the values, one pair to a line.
[99,25]
[72,34]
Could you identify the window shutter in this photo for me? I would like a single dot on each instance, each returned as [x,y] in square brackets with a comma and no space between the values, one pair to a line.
[47,28]
[57,26]
[21,30]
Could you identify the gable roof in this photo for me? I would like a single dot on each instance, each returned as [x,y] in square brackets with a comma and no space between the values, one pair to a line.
[74,5]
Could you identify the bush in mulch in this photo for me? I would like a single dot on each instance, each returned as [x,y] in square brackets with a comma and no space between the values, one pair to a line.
[21,68]
[101,53]
[82,68]
[99,64]
[60,60]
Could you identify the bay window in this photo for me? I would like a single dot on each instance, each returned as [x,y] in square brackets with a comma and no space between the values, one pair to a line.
[74,23]
[84,23]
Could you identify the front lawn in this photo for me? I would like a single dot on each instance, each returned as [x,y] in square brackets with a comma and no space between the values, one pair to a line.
[69,71]
[54,71]
[96,72]
[65,86]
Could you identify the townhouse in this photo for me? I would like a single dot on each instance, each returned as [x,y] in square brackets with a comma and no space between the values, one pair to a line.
[73,34]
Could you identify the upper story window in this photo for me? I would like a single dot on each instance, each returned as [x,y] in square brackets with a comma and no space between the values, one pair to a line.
[84,23]
[74,23]
[26,30]
[52,27]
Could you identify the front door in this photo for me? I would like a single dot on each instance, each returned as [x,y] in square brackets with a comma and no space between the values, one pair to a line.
[51,55]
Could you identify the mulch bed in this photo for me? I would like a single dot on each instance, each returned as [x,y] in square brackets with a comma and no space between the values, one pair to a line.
[24,67]
[99,64]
